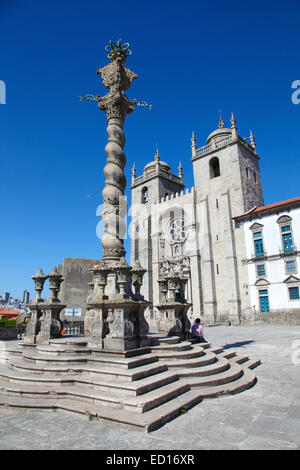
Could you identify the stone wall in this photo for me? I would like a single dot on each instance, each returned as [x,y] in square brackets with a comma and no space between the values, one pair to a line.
[8,332]
[75,288]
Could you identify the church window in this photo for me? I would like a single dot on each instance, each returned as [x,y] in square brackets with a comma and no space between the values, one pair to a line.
[254,176]
[217,269]
[214,167]
[217,204]
[247,172]
[144,195]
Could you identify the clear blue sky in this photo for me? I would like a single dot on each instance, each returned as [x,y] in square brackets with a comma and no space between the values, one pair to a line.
[192,59]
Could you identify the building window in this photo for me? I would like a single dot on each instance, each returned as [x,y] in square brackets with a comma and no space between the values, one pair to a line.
[294,293]
[258,244]
[217,268]
[214,167]
[260,270]
[254,176]
[247,172]
[287,239]
[264,301]
[290,266]
[144,195]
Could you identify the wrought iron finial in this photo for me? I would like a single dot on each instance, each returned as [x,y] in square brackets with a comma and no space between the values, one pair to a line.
[117,50]
[144,104]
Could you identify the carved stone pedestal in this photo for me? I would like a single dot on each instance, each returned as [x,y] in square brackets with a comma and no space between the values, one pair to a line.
[34,324]
[51,325]
[173,319]
[117,325]
[45,322]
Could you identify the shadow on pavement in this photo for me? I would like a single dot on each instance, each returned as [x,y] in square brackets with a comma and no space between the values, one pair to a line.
[238,344]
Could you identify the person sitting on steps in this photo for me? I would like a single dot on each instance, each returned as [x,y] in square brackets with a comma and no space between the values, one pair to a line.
[197,331]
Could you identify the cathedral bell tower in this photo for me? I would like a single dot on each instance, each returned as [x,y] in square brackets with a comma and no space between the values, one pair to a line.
[156,182]
[227,183]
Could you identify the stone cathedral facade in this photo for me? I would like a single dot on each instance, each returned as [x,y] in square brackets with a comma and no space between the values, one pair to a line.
[193,230]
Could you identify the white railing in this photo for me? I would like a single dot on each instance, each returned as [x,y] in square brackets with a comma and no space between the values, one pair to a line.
[72,330]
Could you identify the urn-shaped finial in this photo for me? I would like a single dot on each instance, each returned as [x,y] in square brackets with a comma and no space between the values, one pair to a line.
[55,280]
[39,280]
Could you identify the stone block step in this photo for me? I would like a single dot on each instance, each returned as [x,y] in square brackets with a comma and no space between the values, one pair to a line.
[129,353]
[20,377]
[156,340]
[157,397]
[182,355]
[137,373]
[159,416]
[183,346]
[19,402]
[30,367]
[126,363]
[148,421]
[229,375]
[70,341]
[199,361]
[217,367]
[251,363]
[137,387]
[244,382]
[117,373]
[215,350]
[46,359]
[139,404]
[238,359]
[227,354]
[62,350]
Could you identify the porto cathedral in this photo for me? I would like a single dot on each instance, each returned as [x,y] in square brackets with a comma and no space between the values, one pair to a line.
[240,257]
[193,230]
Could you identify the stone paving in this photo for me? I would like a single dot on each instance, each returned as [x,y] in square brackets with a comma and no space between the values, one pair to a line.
[263,417]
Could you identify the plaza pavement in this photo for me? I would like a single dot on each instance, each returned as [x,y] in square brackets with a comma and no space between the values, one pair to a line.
[267,416]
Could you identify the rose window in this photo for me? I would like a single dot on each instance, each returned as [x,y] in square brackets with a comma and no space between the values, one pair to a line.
[178,231]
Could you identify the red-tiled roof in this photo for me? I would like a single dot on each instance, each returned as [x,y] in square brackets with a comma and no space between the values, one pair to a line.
[9,312]
[276,205]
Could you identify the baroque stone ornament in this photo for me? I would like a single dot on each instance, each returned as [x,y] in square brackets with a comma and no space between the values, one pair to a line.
[117,78]
[115,315]
[45,320]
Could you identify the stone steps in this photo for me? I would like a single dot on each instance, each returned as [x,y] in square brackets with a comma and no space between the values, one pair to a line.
[217,367]
[46,359]
[137,387]
[143,388]
[123,374]
[229,375]
[173,356]
[60,350]
[244,382]
[156,340]
[199,361]
[157,397]
[126,363]
[183,346]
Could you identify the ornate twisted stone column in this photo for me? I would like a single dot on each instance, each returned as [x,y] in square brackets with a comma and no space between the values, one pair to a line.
[115,315]
[117,78]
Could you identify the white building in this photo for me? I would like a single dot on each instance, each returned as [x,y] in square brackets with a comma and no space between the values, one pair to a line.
[272,242]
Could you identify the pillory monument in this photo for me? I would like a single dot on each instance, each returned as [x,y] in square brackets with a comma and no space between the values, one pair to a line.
[118,371]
